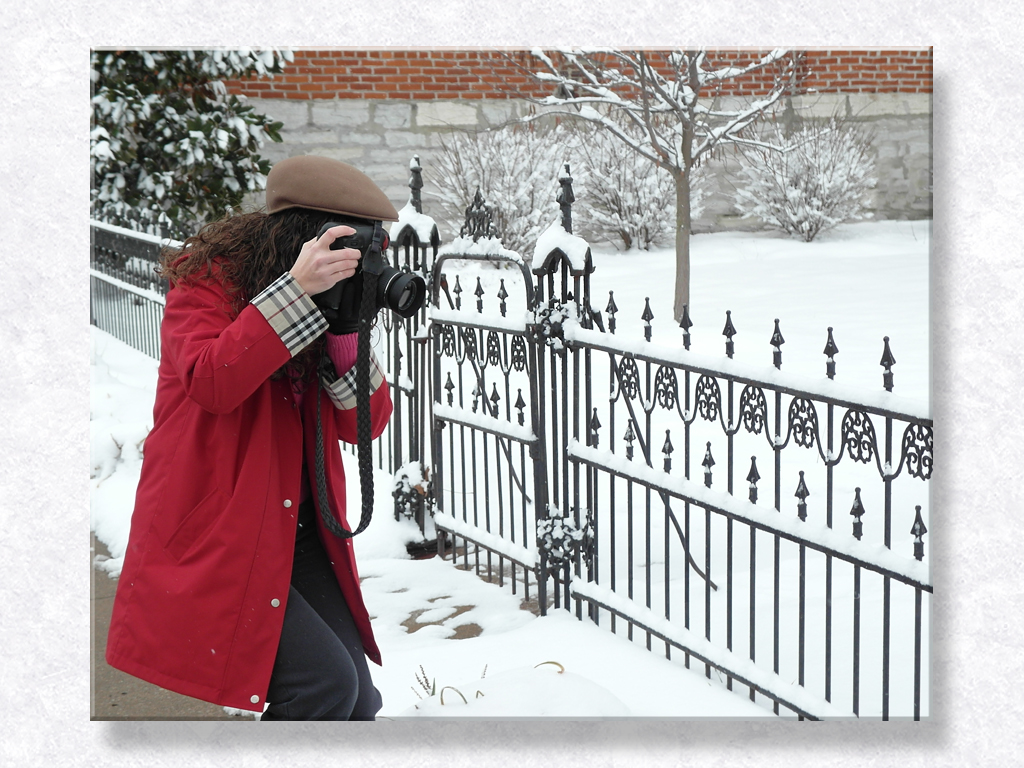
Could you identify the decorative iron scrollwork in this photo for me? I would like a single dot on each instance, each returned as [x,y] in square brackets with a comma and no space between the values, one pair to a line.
[561,539]
[413,490]
[547,325]
[753,409]
[479,219]
[803,422]
[709,398]
[518,353]
[469,343]
[493,349]
[447,341]
[917,451]
[666,388]
[859,436]
[629,376]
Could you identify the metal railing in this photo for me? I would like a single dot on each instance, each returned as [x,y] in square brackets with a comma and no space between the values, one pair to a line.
[126,295]
[609,476]
[638,526]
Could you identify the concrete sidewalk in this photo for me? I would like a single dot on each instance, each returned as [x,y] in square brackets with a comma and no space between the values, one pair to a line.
[118,696]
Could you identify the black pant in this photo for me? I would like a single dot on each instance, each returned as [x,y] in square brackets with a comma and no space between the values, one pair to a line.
[320,672]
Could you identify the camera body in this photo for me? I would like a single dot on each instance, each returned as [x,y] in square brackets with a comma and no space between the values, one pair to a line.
[401,292]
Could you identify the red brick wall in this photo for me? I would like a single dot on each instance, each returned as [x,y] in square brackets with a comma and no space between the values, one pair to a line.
[486,74]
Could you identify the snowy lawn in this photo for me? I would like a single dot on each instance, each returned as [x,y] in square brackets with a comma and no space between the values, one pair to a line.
[865,280]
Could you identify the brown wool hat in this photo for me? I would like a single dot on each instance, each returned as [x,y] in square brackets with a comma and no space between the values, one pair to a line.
[324,184]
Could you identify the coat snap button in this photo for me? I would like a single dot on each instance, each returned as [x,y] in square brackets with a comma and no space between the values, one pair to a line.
[287,503]
[255,699]
[275,602]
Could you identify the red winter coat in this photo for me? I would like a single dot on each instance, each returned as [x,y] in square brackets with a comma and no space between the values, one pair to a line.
[201,597]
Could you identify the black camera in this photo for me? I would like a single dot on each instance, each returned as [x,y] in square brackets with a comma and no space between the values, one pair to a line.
[401,292]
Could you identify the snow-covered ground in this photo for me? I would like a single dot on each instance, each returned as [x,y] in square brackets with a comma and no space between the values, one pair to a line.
[865,280]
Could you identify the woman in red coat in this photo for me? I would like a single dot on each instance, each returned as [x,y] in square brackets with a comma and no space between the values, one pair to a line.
[233,590]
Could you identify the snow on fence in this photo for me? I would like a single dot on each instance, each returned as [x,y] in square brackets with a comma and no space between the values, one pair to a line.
[622,464]
[609,476]
[127,297]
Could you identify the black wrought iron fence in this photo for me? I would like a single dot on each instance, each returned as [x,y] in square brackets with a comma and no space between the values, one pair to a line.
[649,517]
[610,476]
[126,296]
[813,603]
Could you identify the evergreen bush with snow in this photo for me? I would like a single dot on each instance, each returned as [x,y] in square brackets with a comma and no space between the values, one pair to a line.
[819,178]
[169,147]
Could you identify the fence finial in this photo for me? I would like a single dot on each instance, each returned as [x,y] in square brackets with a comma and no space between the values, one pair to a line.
[708,463]
[416,183]
[729,331]
[831,350]
[777,342]
[752,477]
[802,493]
[918,531]
[566,198]
[611,309]
[857,511]
[887,362]
[502,295]
[686,324]
[450,387]
[478,219]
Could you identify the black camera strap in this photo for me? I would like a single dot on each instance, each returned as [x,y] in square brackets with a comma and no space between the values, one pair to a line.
[372,266]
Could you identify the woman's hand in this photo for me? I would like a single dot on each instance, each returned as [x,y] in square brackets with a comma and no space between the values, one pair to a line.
[318,267]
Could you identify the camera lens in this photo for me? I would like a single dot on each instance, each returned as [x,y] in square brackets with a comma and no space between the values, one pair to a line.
[403,292]
[406,299]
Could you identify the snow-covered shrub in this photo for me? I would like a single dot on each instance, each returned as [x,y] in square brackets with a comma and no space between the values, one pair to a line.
[169,147]
[819,178]
[561,538]
[411,489]
[628,199]
[516,169]
[620,196]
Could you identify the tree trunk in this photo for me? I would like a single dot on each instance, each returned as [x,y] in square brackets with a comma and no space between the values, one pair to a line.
[682,293]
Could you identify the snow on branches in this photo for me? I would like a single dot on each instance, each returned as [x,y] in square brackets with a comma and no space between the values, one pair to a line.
[169,146]
[672,98]
[819,177]
[628,200]
[620,197]
[516,170]
[669,107]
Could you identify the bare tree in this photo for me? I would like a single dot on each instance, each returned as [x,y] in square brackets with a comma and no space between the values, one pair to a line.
[675,100]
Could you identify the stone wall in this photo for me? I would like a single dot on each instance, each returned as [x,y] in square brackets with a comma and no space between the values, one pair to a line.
[380,137]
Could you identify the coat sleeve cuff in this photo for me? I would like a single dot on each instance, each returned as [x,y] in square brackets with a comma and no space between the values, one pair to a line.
[291,313]
[342,389]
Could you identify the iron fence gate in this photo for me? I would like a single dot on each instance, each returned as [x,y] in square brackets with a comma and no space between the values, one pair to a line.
[647,516]
[609,476]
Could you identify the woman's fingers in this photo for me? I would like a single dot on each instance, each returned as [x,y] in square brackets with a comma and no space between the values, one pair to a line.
[317,267]
[334,233]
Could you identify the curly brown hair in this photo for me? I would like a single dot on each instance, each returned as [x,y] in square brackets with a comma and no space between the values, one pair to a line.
[250,251]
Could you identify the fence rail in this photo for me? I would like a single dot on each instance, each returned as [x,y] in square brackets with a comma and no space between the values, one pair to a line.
[610,476]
